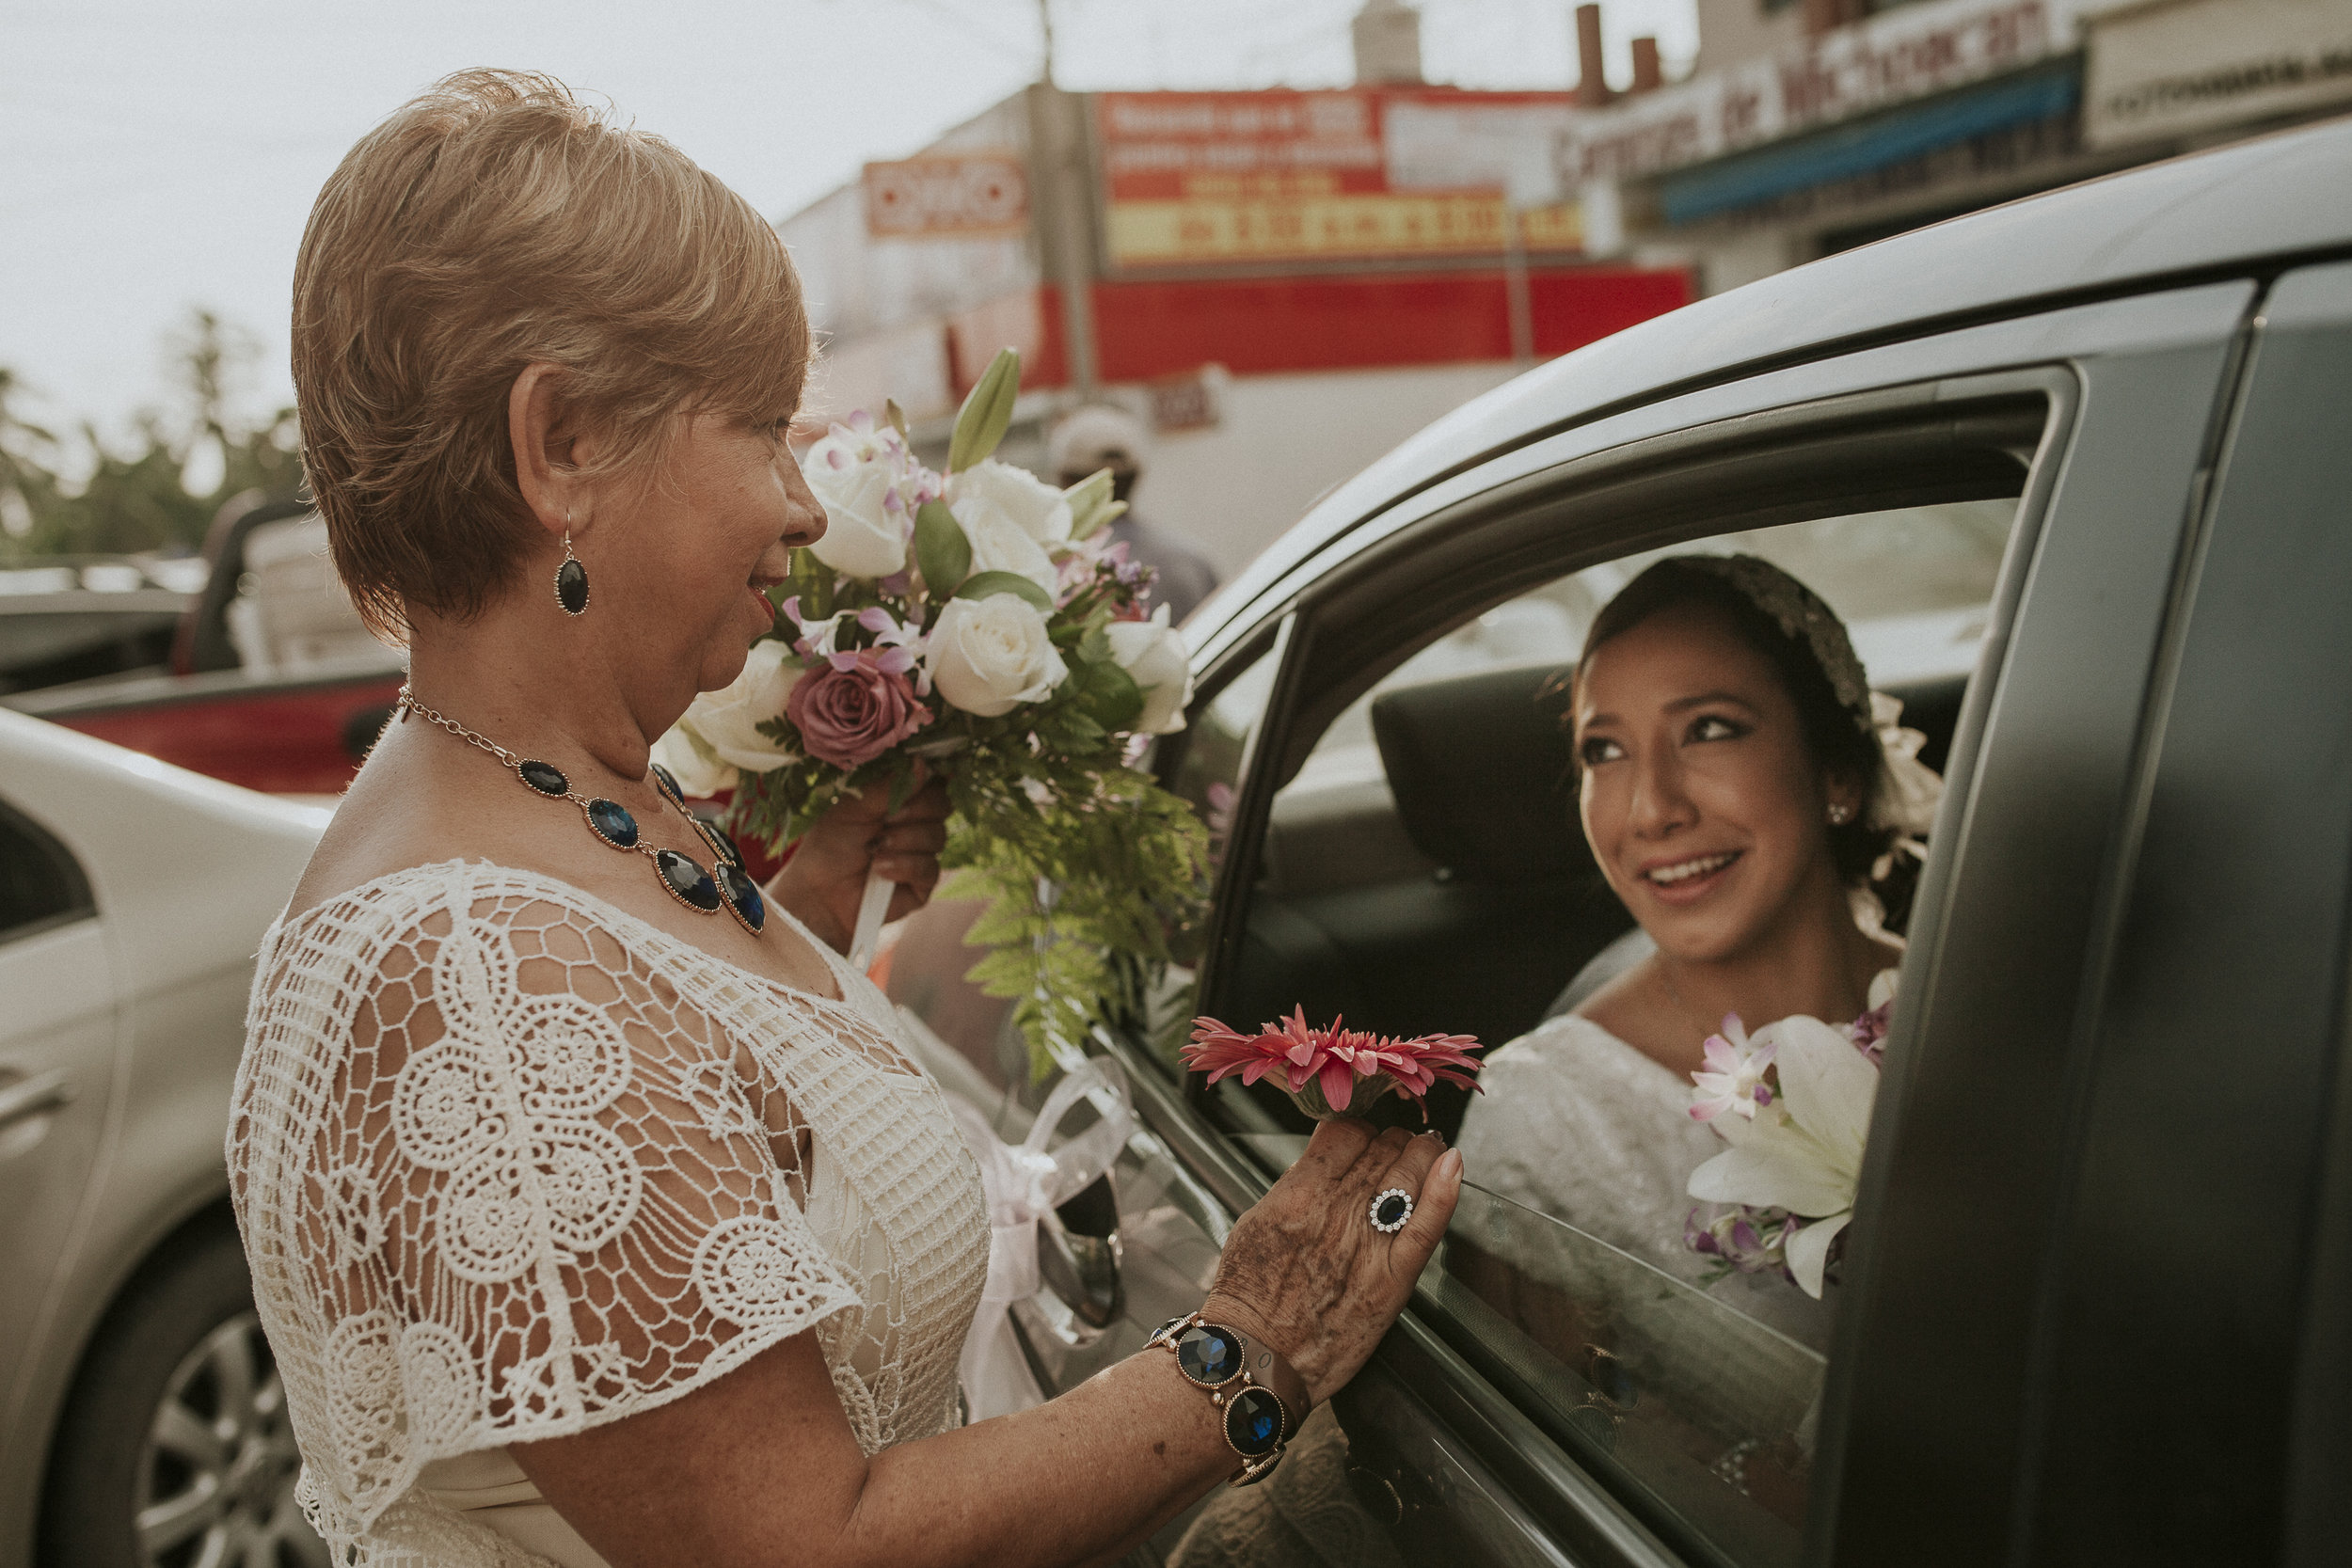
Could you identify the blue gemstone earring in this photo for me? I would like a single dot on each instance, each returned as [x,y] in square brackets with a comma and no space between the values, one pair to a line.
[571,578]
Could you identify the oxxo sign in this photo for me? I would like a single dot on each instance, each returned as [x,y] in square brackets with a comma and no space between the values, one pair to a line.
[946,197]
[1900,55]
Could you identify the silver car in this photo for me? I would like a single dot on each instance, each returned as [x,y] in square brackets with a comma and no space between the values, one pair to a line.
[2077,472]
[140,1419]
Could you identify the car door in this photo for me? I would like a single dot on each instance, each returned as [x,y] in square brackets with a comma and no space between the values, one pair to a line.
[58,1051]
[2205,1220]
[1474,1438]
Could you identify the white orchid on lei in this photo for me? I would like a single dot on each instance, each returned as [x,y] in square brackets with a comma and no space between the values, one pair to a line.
[1733,1076]
[1796,1153]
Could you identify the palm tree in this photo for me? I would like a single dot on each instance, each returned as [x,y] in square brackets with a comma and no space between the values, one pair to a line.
[23,472]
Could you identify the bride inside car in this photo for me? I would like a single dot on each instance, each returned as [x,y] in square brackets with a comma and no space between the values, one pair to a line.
[1430,864]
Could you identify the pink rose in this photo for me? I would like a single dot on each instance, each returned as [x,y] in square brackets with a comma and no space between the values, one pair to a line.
[850,710]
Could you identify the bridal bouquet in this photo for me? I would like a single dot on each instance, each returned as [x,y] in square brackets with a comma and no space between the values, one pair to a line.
[975,625]
[1330,1071]
[1793,1100]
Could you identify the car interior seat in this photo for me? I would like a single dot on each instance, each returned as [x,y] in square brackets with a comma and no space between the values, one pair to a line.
[1455,894]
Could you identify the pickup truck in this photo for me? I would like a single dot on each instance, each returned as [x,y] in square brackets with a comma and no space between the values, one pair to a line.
[271,682]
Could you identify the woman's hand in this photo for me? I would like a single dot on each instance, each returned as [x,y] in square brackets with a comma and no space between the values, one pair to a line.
[1305,1271]
[825,878]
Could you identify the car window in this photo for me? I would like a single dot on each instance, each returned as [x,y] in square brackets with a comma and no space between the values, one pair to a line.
[40,884]
[1207,774]
[1424,870]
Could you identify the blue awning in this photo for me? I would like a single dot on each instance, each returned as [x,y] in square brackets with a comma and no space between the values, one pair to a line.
[1845,150]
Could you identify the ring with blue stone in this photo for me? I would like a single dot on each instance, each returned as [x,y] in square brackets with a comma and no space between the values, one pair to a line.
[1390,1210]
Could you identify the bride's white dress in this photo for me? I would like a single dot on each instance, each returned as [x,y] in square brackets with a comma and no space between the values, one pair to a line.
[511,1163]
[1576,1124]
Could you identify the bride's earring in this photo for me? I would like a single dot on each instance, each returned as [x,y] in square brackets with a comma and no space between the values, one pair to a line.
[1840,812]
[571,578]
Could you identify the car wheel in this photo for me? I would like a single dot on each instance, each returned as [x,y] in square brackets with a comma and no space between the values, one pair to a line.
[175,1449]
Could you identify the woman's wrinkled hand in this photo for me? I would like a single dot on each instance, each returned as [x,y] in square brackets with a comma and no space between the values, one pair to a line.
[1305,1271]
[825,878]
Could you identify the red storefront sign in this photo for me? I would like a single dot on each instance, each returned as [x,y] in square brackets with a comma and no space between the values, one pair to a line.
[1148,330]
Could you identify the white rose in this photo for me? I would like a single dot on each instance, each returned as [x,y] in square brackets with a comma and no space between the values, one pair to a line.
[724,723]
[865,523]
[1000,544]
[697,769]
[989,486]
[1153,653]
[988,656]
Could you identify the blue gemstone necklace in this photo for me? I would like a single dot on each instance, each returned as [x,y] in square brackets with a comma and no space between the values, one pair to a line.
[727,885]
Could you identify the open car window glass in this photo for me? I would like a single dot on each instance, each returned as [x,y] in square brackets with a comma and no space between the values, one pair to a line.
[1425,870]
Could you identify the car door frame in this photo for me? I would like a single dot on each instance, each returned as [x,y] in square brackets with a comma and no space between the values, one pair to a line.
[2190,333]
[2196,1225]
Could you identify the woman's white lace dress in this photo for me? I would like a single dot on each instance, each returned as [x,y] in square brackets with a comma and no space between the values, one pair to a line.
[511,1162]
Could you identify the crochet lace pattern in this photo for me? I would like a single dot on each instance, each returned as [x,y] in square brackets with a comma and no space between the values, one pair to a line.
[511,1163]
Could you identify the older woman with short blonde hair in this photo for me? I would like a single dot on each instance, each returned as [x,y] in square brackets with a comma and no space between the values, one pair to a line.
[598,1211]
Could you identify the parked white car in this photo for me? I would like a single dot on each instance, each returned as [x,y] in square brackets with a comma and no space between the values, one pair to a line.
[141,1420]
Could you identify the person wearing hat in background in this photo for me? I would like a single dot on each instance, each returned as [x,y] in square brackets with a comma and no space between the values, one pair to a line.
[1099,436]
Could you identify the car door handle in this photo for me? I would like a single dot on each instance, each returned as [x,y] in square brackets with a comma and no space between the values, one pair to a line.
[30,1097]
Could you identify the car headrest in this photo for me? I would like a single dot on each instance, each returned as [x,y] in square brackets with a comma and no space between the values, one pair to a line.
[1481,770]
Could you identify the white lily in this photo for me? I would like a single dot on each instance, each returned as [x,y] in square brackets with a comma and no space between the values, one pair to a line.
[1804,1153]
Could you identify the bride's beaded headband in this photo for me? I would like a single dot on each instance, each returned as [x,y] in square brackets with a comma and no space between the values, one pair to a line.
[1802,617]
[1907,790]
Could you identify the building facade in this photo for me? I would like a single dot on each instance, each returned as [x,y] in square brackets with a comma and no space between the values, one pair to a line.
[1281,284]
[1804,130]
[1284,284]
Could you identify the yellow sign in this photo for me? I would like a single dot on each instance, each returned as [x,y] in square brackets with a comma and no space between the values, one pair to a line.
[1203,228]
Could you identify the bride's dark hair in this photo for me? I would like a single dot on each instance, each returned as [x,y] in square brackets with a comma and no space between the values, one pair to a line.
[1837,725]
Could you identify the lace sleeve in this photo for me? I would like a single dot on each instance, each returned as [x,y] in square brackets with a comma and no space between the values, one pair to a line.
[500,1182]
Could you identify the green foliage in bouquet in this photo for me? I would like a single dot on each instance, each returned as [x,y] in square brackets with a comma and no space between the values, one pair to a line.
[1083,899]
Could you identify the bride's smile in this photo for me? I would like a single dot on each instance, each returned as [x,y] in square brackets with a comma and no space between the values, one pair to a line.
[1687,878]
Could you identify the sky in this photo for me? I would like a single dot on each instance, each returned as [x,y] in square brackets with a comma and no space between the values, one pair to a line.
[161,155]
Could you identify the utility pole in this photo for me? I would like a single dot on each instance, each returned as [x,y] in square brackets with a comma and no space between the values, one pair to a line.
[1045,25]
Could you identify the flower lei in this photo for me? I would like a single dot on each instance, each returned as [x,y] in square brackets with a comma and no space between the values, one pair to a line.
[1793,1100]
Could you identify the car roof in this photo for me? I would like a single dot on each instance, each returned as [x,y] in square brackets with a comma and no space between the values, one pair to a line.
[2212,212]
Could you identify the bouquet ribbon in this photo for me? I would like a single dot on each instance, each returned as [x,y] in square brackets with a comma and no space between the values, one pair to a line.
[872,905]
[1025,1182]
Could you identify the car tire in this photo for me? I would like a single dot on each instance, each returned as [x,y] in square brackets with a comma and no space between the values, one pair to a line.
[175,1448]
